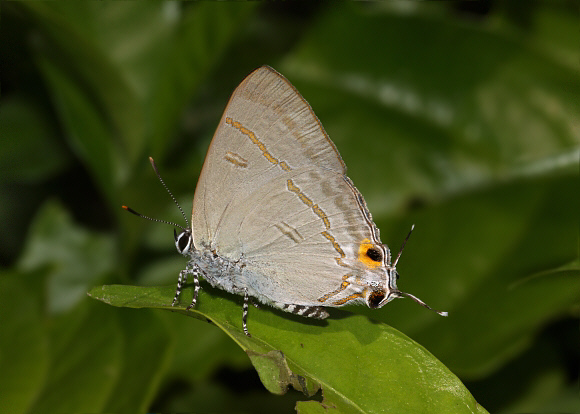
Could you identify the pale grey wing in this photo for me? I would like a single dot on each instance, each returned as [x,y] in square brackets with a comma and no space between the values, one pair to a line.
[302,235]
[266,131]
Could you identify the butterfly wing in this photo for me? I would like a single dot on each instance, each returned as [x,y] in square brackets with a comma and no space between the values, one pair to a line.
[307,238]
[266,129]
[273,190]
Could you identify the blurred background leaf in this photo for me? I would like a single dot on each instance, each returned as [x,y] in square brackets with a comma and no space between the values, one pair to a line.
[460,117]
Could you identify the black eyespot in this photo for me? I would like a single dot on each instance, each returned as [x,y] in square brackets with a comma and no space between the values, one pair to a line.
[375,299]
[375,254]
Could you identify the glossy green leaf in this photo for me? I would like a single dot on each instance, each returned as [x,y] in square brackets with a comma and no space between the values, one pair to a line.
[97,98]
[314,407]
[117,90]
[203,34]
[435,126]
[78,365]
[531,232]
[203,347]
[145,338]
[23,124]
[95,348]
[87,130]
[360,365]
[24,356]
[76,258]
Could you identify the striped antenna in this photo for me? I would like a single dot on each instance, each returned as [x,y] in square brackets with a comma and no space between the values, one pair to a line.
[130,210]
[167,188]
[403,246]
[415,298]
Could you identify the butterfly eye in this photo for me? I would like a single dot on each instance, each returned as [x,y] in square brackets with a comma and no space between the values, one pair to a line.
[375,298]
[374,253]
[182,241]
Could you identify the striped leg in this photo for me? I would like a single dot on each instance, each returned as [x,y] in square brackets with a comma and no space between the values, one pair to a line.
[181,281]
[195,274]
[245,314]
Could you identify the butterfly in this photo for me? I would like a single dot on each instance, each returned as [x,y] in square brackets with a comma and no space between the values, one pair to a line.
[275,217]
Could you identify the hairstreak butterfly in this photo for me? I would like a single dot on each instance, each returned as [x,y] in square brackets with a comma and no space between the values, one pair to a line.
[274,215]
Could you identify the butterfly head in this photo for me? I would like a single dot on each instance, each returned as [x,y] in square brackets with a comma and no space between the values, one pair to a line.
[183,240]
[378,296]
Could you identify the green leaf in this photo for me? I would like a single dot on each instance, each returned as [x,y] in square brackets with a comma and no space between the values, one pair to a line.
[438,125]
[198,42]
[203,347]
[117,90]
[145,338]
[24,357]
[25,127]
[78,365]
[277,376]
[87,131]
[96,96]
[49,364]
[343,354]
[75,257]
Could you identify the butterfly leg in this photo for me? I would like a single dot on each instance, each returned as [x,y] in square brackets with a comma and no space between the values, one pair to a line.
[245,313]
[195,274]
[182,280]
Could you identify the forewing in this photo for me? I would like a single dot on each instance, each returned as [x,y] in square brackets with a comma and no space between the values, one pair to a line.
[274,194]
[267,131]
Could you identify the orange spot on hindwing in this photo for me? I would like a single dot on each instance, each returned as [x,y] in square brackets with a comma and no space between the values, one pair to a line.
[370,254]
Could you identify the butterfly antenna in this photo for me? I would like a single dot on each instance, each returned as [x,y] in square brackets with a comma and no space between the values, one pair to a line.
[130,210]
[420,302]
[415,298]
[403,246]
[169,191]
